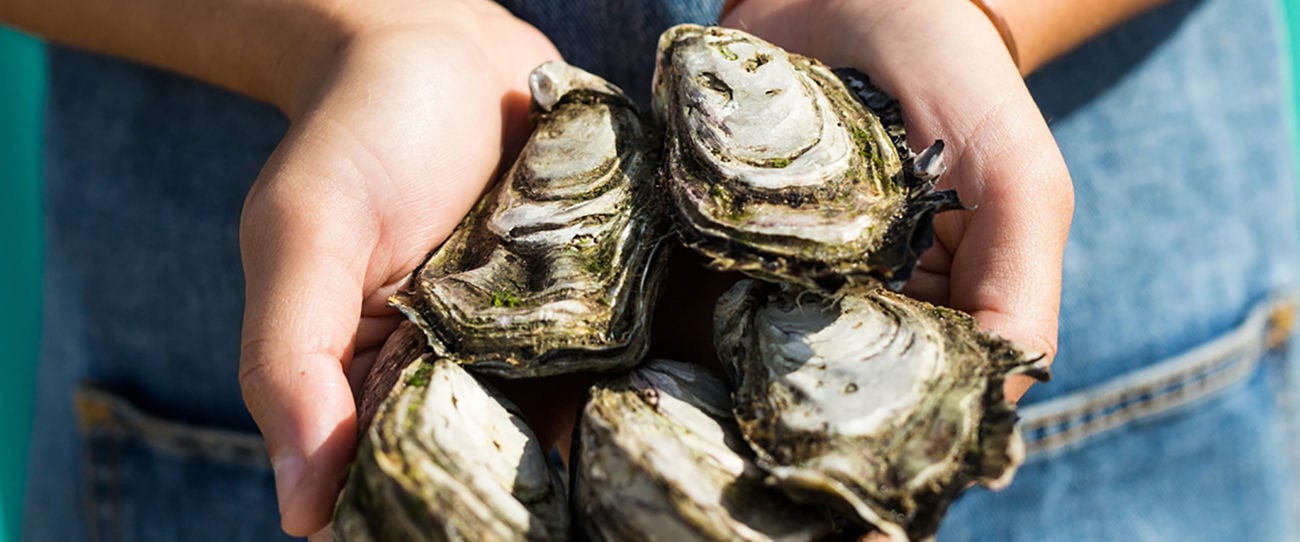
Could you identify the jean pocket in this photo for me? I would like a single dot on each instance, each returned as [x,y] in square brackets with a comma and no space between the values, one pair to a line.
[1186,380]
[1194,447]
[1195,376]
[149,478]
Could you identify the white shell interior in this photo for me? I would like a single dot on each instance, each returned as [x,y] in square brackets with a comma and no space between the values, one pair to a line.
[855,368]
[570,160]
[769,111]
[761,120]
[678,457]
[464,441]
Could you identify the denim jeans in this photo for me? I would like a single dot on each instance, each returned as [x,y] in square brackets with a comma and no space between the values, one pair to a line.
[1169,418]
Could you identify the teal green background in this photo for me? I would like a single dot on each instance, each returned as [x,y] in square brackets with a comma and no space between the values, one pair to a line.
[22,81]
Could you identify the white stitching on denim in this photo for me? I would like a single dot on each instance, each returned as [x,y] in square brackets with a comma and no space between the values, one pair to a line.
[1194,375]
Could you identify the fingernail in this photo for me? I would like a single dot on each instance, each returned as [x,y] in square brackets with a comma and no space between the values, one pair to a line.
[288,474]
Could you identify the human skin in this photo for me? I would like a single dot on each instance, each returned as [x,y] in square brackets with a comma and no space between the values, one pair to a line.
[1000,260]
[402,110]
[1046,29]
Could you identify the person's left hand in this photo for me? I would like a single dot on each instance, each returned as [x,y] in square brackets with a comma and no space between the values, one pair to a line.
[1001,259]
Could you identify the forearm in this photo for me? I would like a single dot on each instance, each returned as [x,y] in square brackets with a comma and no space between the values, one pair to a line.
[1046,29]
[256,47]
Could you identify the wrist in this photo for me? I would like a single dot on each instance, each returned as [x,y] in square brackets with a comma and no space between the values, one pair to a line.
[300,52]
[1003,27]
[1047,29]
[307,65]
[884,38]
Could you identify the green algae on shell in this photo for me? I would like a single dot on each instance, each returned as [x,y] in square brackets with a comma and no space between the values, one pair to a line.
[556,269]
[777,169]
[448,458]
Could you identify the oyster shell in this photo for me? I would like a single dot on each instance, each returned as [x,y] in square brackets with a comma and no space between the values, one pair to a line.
[403,347]
[448,458]
[850,395]
[777,169]
[880,404]
[556,269]
[661,458]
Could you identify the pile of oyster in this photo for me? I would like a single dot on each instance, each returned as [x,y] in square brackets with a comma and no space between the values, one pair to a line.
[846,409]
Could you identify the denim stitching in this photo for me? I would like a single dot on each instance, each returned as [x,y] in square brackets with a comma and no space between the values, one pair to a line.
[103,478]
[1184,379]
[104,415]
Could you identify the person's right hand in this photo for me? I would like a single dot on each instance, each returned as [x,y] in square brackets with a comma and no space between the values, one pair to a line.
[395,131]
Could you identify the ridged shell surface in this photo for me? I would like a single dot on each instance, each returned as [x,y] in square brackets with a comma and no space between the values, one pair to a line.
[778,170]
[661,458]
[555,270]
[881,405]
[448,458]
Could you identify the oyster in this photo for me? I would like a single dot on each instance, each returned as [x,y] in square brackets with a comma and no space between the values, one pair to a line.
[448,458]
[661,458]
[847,395]
[778,170]
[555,270]
[402,348]
[880,404]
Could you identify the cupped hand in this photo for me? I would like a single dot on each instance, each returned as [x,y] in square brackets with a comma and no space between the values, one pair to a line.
[391,142]
[1000,260]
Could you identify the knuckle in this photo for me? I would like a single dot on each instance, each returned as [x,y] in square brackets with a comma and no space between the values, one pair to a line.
[254,373]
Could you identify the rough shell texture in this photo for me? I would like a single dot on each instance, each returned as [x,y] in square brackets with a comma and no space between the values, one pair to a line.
[882,405]
[777,169]
[449,459]
[846,394]
[555,270]
[661,458]
[402,348]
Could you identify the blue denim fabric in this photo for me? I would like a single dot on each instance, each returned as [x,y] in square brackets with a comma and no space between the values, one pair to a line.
[1167,419]
[1174,128]
[145,177]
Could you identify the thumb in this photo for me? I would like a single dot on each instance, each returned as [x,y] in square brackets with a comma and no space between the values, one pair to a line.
[304,265]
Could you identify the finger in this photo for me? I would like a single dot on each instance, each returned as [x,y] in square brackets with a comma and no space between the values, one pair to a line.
[1006,268]
[323,535]
[1007,271]
[305,247]
[927,286]
[929,280]
[1007,248]
[371,334]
